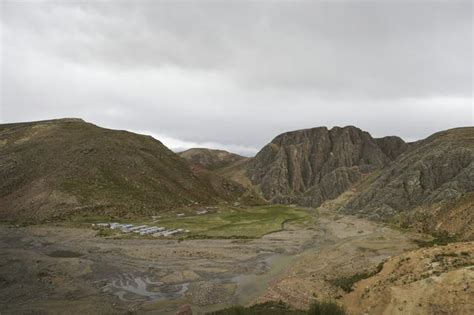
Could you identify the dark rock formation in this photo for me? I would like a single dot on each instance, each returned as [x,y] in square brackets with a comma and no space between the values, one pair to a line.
[439,169]
[392,146]
[312,165]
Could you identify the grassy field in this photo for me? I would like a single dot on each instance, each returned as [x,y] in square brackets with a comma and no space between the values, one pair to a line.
[226,222]
[251,222]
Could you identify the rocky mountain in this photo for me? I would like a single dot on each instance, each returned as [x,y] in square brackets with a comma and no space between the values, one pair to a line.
[431,185]
[428,184]
[209,159]
[54,168]
[312,165]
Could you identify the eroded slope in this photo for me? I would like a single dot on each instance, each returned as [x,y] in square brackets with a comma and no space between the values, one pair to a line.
[430,185]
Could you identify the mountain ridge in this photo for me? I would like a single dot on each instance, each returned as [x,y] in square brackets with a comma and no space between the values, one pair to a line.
[54,168]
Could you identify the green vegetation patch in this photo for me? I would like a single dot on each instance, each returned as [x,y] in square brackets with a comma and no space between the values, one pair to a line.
[326,308]
[347,283]
[280,308]
[226,223]
[440,239]
[253,222]
[64,254]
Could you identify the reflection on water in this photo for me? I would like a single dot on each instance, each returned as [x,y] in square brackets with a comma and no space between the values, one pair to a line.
[129,288]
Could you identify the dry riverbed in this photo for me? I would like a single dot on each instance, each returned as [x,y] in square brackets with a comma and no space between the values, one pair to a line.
[51,269]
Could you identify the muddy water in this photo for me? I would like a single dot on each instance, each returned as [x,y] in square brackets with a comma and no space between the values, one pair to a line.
[129,288]
[249,282]
[252,286]
[133,288]
[249,287]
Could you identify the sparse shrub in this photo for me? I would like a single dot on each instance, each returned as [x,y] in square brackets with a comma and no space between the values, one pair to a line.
[439,239]
[104,232]
[280,308]
[403,221]
[326,308]
[346,283]
[440,257]
[267,308]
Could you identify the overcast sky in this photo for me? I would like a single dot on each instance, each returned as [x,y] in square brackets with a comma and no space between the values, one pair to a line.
[233,75]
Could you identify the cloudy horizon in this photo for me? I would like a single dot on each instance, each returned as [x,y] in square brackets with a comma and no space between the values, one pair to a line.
[234,75]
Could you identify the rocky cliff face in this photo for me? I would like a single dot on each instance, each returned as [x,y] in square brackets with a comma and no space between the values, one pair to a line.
[312,165]
[431,178]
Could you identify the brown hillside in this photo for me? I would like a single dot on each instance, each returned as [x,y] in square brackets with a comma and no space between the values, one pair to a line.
[58,167]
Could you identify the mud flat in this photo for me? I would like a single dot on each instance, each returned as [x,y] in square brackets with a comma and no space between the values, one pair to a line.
[51,269]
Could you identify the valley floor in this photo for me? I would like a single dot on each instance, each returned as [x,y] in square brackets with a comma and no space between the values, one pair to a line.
[54,269]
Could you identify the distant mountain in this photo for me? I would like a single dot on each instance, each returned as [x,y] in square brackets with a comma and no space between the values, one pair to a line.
[217,167]
[312,165]
[50,169]
[209,159]
[430,185]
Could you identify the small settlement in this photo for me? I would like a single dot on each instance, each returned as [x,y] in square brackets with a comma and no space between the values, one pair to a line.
[141,229]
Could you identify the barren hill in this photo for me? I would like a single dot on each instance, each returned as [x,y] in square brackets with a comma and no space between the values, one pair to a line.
[58,167]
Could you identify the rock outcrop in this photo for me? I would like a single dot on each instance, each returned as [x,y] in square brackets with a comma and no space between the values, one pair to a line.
[427,181]
[312,165]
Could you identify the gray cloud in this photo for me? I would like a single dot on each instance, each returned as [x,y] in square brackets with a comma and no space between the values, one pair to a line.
[234,75]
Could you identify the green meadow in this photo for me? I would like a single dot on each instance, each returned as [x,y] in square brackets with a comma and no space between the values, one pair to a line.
[253,222]
[225,222]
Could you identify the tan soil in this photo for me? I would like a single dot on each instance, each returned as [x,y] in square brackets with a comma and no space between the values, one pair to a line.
[211,274]
[357,245]
[438,280]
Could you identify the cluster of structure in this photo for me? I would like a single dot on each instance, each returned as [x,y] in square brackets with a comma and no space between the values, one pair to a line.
[141,229]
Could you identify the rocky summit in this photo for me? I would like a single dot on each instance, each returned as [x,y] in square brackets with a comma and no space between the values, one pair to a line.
[312,165]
